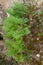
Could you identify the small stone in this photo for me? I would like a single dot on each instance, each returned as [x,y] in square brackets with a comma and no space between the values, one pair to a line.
[38,55]
[8,14]
[37,38]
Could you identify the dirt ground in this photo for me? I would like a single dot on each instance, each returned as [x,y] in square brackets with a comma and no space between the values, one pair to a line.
[34,45]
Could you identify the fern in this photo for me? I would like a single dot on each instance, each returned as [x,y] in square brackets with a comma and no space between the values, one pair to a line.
[16,27]
[18,10]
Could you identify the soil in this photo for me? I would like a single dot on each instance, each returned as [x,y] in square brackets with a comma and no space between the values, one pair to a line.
[33,43]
